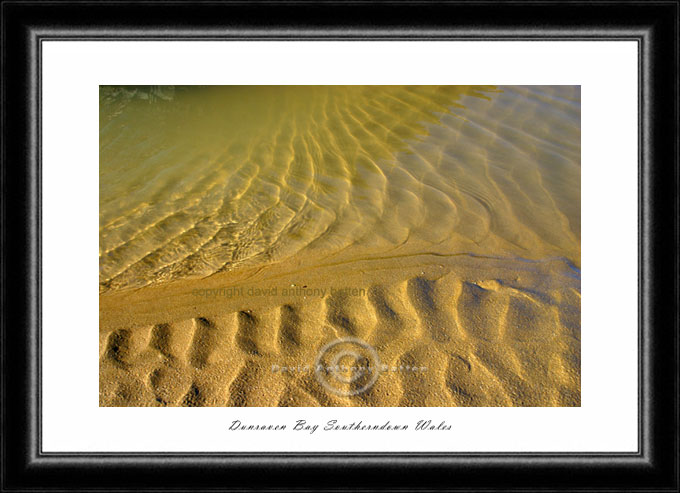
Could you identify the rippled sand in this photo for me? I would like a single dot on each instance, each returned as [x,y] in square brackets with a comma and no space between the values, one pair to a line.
[227,215]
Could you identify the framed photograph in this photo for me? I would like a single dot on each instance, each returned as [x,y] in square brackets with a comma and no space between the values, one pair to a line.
[340,245]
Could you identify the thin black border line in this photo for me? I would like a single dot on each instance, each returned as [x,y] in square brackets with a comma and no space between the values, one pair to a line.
[220,33]
[314,36]
[644,91]
[643,438]
[35,136]
[500,457]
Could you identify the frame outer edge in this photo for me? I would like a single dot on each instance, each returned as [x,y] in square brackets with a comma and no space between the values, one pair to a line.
[38,465]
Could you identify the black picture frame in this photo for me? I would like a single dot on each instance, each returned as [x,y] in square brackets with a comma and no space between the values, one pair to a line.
[654,25]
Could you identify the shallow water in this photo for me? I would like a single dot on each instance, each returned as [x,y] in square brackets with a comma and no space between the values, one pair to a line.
[198,180]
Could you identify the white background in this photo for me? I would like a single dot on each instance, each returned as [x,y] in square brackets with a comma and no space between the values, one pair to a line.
[72,72]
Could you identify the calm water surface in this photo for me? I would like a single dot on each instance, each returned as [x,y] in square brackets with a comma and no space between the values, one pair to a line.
[199,180]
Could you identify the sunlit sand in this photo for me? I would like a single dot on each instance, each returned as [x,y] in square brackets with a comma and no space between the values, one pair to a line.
[244,229]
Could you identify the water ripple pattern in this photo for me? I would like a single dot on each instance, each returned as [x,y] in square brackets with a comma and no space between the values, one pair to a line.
[204,179]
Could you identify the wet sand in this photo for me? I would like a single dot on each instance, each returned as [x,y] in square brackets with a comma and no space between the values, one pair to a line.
[242,230]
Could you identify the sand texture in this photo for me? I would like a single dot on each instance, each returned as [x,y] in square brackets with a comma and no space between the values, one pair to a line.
[252,238]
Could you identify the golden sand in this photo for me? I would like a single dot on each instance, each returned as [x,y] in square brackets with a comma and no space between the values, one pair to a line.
[244,229]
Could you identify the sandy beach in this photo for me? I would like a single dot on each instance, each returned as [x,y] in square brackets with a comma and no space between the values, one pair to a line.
[340,246]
